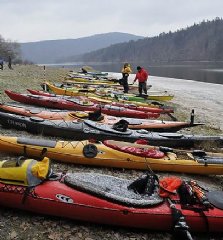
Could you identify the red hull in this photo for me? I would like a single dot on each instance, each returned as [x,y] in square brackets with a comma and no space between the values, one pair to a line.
[60,103]
[44,200]
[41,93]
[129,106]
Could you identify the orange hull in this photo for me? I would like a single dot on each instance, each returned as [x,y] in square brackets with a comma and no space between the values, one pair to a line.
[154,125]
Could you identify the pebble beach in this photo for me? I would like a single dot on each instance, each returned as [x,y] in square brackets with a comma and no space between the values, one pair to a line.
[205,98]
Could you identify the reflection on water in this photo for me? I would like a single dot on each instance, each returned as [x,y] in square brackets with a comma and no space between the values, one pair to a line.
[211,72]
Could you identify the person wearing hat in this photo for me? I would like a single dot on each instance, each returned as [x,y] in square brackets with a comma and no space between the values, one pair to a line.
[141,76]
[126,70]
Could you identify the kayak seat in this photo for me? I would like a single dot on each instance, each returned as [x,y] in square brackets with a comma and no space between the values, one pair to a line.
[111,188]
[96,115]
[34,111]
[106,128]
[121,125]
[141,151]
[171,135]
[133,121]
[82,115]
[33,96]
[36,119]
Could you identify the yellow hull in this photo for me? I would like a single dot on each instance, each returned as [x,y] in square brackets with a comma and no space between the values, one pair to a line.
[67,92]
[73,152]
[83,80]
[160,97]
[109,100]
[80,89]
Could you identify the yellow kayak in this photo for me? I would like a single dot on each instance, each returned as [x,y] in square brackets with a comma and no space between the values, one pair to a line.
[85,80]
[99,84]
[109,100]
[94,96]
[81,89]
[161,98]
[116,154]
[66,91]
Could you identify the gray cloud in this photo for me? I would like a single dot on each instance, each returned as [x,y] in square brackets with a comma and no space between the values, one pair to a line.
[31,20]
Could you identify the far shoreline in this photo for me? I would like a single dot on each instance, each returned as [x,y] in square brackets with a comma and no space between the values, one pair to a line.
[201,71]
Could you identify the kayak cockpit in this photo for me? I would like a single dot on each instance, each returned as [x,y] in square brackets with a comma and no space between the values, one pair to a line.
[113,189]
[135,149]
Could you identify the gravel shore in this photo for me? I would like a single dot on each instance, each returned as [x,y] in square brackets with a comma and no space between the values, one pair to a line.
[205,98]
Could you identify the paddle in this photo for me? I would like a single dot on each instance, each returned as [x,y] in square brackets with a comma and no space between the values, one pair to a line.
[180,227]
[163,106]
[172,117]
[199,153]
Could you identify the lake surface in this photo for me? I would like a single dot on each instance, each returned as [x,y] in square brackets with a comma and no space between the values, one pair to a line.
[211,72]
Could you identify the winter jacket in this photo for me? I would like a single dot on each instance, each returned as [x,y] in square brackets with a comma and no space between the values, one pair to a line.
[126,70]
[141,75]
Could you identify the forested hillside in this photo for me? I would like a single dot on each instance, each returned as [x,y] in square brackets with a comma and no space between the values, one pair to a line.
[63,50]
[200,42]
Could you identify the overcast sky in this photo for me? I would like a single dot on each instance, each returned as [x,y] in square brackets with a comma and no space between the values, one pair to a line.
[34,20]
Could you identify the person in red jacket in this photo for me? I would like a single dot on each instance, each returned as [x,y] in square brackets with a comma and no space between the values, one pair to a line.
[141,76]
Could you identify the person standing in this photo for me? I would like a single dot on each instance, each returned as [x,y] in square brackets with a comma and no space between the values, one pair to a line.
[126,70]
[10,62]
[141,76]
[1,63]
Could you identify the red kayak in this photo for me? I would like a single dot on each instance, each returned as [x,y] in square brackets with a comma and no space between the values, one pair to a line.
[129,106]
[41,93]
[110,200]
[78,105]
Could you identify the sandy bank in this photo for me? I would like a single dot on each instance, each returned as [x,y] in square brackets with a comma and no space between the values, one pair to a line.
[205,98]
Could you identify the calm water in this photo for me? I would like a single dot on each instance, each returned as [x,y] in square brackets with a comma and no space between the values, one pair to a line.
[211,72]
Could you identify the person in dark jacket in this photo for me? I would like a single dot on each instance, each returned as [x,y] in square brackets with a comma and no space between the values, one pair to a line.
[141,76]
[10,62]
[1,63]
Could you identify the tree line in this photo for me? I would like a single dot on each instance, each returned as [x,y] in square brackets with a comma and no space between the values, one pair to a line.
[201,42]
[8,49]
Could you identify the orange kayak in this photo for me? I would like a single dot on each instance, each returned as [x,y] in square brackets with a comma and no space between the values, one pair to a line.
[54,114]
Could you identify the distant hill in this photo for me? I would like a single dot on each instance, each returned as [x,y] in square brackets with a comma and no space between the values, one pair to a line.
[200,42]
[54,51]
